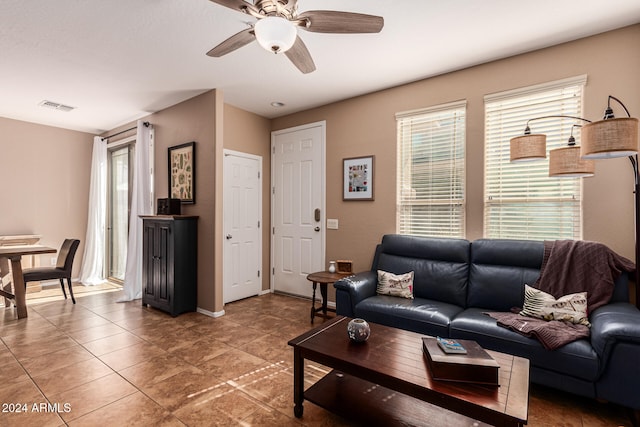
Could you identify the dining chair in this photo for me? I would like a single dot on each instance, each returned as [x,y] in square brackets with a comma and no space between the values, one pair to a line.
[61,271]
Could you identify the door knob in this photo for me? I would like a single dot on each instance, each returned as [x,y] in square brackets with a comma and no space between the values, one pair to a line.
[317,229]
[229,236]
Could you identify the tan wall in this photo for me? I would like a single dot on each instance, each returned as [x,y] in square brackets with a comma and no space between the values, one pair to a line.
[356,127]
[249,133]
[191,120]
[366,125]
[214,126]
[45,173]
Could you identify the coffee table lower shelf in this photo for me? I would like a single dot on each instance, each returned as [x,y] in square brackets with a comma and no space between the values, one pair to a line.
[370,404]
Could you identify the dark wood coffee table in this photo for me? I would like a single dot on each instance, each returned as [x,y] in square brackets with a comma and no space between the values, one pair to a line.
[386,381]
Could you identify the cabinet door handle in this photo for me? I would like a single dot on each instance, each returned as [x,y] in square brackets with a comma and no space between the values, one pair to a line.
[229,237]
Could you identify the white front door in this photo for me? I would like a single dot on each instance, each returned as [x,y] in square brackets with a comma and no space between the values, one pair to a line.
[242,212]
[298,203]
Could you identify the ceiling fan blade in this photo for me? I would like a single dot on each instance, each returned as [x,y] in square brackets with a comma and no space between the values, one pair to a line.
[234,42]
[239,5]
[330,21]
[300,56]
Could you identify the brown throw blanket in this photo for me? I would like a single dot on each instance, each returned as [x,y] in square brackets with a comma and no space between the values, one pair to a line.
[570,266]
[551,334]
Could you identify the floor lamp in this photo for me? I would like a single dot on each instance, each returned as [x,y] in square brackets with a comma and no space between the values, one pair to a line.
[604,139]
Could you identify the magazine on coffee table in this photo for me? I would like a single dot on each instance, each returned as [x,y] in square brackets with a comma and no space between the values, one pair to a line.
[474,366]
[450,346]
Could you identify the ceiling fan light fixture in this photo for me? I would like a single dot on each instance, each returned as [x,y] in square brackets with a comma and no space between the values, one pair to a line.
[275,34]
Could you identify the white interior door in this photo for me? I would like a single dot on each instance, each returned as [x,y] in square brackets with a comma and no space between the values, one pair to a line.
[242,256]
[298,205]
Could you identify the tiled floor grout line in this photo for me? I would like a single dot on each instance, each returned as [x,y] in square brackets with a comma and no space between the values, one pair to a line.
[138,389]
[47,318]
[113,371]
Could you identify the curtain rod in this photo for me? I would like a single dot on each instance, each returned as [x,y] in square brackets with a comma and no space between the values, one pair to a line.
[146,124]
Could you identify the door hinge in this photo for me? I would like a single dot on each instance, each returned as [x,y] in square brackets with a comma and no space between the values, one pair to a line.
[273,149]
[258,273]
[273,231]
[273,190]
[258,224]
[273,271]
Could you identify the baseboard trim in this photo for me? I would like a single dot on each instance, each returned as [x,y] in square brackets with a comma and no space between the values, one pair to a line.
[210,313]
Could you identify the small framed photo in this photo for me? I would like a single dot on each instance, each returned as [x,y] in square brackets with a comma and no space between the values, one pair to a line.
[182,172]
[357,178]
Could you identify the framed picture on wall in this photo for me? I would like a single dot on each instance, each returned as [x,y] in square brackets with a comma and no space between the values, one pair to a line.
[357,180]
[182,172]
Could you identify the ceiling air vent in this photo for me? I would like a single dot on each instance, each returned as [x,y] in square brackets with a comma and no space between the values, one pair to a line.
[56,106]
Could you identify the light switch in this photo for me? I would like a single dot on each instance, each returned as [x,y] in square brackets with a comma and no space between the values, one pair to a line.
[332,224]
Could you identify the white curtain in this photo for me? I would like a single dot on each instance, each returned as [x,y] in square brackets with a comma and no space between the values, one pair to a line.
[92,270]
[141,204]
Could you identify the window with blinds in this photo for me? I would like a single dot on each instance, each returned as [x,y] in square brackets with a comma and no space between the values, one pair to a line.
[521,200]
[431,171]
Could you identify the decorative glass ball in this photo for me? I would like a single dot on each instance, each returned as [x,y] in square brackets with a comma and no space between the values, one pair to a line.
[358,330]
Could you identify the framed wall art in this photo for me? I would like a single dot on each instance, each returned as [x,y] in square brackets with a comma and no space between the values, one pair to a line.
[182,172]
[357,180]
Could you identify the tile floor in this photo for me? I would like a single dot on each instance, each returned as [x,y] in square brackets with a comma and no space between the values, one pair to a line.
[114,364]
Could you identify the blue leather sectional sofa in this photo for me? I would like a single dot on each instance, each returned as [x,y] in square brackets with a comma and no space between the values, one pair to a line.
[457,281]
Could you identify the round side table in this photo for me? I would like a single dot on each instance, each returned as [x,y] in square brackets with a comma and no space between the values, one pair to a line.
[323,278]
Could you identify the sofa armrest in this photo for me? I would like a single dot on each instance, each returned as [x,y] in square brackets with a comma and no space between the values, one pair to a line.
[613,323]
[615,336]
[353,289]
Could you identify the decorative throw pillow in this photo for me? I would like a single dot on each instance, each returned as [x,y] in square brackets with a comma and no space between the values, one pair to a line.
[395,285]
[539,304]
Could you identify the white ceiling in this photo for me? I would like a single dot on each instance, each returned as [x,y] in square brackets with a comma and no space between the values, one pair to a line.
[119,60]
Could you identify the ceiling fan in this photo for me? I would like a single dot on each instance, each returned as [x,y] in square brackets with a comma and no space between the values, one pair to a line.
[277,23]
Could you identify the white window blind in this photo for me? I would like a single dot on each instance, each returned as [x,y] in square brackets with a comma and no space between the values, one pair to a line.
[431,171]
[521,200]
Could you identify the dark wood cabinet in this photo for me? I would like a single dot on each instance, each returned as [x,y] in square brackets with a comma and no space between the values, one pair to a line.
[169,272]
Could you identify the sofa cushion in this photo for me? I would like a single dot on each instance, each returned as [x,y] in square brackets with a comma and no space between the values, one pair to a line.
[420,315]
[499,270]
[577,359]
[440,266]
[395,285]
[541,305]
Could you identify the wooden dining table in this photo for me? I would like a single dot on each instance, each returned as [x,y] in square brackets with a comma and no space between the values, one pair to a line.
[14,255]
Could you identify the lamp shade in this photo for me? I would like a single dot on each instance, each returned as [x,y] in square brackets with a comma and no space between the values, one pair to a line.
[610,138]
[275,34]
[528,147]
[566,162]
